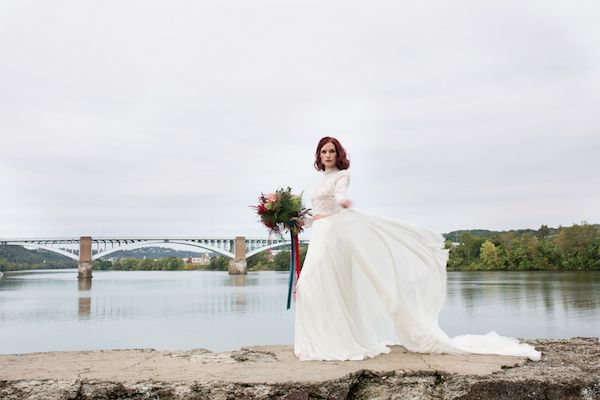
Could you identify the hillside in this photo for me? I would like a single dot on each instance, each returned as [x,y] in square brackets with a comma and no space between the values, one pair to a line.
[15,258]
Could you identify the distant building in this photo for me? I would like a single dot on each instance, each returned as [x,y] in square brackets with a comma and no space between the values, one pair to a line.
[202,260]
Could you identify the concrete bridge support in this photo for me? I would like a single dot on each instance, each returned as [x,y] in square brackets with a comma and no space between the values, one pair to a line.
[84,268]
[238,264]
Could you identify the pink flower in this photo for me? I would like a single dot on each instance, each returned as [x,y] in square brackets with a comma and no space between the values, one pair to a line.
[272,198]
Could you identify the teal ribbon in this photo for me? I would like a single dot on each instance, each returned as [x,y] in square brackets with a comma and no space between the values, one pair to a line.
[291,281]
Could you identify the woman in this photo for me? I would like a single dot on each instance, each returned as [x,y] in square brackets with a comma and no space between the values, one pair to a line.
[368,282]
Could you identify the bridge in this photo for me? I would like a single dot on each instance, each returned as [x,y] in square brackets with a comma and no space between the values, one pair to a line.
[86,249]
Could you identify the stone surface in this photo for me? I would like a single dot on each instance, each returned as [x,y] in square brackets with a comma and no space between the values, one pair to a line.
[569,369]
[237,267]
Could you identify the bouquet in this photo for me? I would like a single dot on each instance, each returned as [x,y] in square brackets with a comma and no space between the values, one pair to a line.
[282,211]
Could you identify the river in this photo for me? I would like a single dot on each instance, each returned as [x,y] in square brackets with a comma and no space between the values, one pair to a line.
[172,310]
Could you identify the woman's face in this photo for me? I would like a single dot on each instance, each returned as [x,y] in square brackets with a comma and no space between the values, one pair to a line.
[328,155]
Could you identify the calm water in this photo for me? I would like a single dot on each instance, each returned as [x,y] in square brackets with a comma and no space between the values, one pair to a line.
[49,311]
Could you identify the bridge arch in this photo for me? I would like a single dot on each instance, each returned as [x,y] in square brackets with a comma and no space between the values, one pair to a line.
[149,243]
[273,246]
[72,256]
[264,248]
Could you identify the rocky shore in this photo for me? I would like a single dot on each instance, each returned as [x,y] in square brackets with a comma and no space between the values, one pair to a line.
[569,369]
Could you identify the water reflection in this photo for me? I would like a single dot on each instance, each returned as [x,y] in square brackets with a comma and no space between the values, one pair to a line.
[84,284]
[186,309]
[85,300]
[524,304]
[239,280]
[524,290]
[240,297]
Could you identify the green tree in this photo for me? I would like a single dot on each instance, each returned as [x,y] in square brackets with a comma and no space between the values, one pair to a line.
[171,263]
[543,232]
[490,256]
[282,259]
[578,246]
[549,256]
[260,261]
[523,253]
[504,239]
[148,264]
[470,245]
[466,254]
[130,264]
[101,265]
[218,263]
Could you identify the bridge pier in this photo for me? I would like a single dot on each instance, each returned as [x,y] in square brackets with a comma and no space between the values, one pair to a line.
[84,268]
[238,264]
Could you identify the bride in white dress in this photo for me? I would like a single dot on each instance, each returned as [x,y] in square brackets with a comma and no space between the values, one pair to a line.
[369,282]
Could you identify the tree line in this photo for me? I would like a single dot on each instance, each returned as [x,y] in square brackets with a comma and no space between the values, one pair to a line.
[259,262]
[574,248]
[136,264]
[274,261]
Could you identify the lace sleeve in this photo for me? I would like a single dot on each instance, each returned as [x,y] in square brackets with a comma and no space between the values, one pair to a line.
[341,184]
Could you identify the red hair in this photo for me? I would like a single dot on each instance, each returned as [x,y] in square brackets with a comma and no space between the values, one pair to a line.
[341,160]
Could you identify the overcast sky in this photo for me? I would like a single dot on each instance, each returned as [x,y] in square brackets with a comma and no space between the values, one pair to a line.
[170,117]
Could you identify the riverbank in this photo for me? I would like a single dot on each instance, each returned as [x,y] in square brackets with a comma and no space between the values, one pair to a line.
[569,369]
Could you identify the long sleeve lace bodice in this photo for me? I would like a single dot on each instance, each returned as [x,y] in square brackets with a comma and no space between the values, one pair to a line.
[328,193]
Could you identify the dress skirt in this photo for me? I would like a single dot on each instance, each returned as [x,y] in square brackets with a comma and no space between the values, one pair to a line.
[368,282]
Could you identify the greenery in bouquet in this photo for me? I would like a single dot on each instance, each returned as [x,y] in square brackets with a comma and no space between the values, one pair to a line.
[281,211]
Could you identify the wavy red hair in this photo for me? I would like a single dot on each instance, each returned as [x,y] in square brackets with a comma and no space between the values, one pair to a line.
[341,161]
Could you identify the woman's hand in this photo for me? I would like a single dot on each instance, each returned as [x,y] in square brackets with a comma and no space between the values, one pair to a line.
[298,220]
[346,203]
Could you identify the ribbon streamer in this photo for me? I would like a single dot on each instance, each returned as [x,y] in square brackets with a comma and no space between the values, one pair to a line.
[294,269]
[297,253]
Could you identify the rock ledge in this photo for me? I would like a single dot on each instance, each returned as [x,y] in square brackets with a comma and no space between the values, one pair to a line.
[569,369]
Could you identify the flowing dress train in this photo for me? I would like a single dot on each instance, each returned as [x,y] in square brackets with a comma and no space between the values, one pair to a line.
[368,282]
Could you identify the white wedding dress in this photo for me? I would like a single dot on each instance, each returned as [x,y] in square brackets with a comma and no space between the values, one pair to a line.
[369,282]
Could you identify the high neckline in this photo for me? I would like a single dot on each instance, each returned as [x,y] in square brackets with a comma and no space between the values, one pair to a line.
[331,171]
